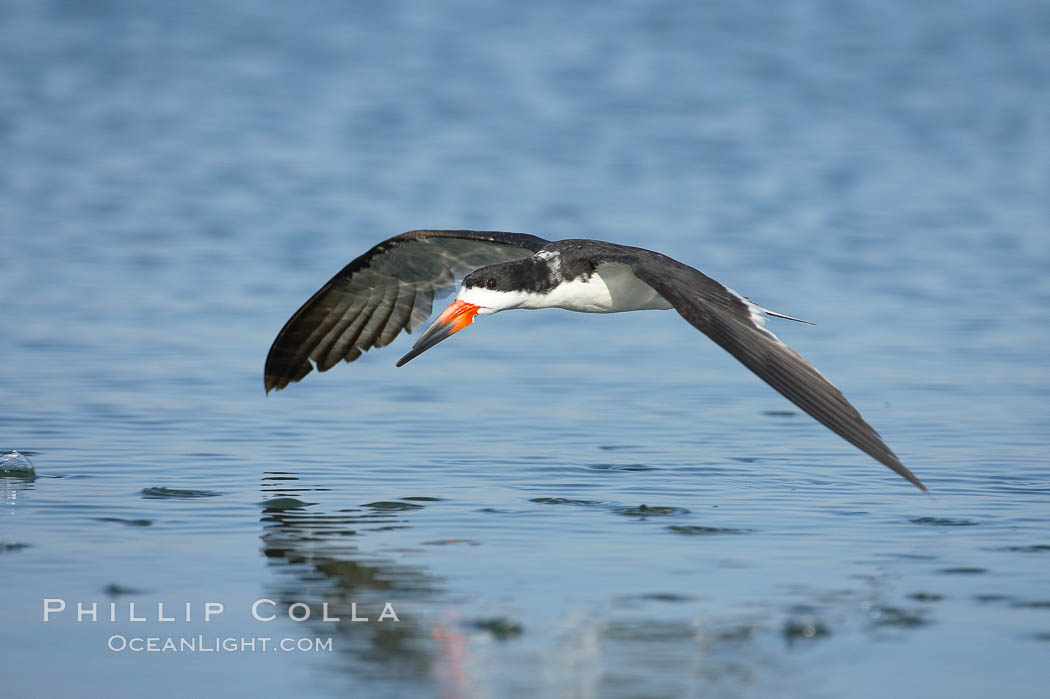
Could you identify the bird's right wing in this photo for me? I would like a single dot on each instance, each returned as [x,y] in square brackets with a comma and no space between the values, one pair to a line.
[737,326]
[388,289]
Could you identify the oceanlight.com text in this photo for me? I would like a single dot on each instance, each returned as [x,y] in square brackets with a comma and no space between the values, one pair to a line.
[217,644]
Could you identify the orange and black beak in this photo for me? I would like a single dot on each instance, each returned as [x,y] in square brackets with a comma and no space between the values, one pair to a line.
[453,319]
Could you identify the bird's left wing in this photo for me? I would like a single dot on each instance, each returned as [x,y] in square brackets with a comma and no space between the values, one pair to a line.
[736,325]
[388,289]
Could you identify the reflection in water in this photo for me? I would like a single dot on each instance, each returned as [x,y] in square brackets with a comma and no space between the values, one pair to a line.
[325,562]
[317,562]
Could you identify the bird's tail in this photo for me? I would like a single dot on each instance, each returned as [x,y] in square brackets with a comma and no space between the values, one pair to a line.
[785,317]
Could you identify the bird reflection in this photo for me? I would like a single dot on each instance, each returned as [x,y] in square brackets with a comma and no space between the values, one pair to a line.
[318,562]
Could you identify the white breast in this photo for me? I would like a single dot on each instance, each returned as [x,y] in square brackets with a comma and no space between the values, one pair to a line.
[612,289]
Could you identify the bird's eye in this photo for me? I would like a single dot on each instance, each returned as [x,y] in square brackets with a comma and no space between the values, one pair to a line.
[490,282]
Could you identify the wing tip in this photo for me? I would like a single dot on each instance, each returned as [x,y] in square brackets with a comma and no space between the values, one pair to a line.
[275,380]
[891,461]
[917,483]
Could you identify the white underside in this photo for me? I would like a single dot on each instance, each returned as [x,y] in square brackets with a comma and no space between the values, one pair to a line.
[612,289]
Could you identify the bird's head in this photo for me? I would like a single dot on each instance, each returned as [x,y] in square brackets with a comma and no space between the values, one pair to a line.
[484,291]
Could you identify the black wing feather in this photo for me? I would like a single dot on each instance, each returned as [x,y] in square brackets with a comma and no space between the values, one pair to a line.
[398,278]
[726,318]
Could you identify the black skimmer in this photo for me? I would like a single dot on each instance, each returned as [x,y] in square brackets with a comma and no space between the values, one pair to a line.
[391,288]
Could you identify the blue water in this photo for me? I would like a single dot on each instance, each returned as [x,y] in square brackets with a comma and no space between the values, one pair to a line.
[176,178]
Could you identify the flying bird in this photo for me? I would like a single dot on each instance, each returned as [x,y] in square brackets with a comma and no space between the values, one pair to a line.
[392,287]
